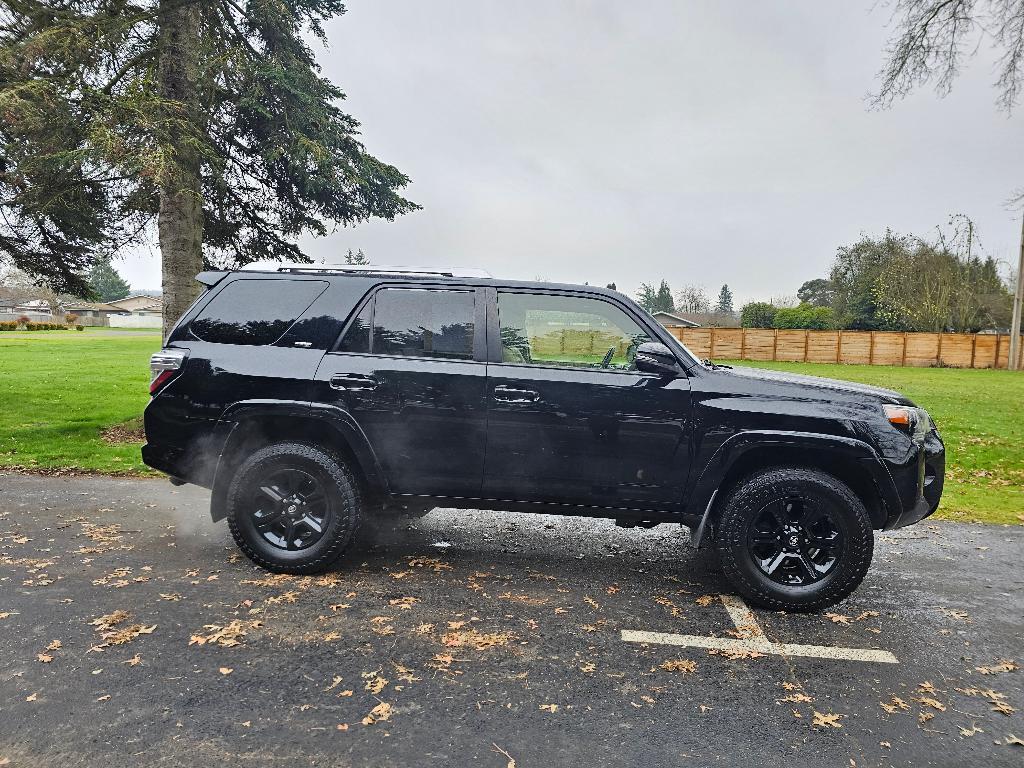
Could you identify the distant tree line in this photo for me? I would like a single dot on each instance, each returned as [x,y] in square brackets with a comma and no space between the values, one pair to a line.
[898,283]
[690,300]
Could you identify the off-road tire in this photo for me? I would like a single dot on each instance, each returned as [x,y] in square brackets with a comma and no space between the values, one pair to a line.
[746,500]
[343,496]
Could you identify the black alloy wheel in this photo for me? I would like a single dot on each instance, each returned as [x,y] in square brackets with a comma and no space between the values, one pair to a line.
[795,540]
[290,509]
[293,507]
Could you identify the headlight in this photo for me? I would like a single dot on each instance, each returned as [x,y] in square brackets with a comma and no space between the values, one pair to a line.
[906,418]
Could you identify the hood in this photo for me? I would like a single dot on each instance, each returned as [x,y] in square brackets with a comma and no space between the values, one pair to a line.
[817,382]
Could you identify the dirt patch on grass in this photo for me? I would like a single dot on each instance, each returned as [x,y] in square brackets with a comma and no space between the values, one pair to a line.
[131,431]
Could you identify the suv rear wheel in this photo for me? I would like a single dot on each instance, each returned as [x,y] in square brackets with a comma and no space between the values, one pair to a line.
[293,508]
[794,539]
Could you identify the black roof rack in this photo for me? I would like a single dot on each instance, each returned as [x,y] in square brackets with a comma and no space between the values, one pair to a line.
[380,269]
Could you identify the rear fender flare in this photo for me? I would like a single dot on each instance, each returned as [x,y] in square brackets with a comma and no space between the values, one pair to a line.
[343,427]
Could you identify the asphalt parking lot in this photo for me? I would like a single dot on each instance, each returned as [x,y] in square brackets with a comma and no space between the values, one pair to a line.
[134,634]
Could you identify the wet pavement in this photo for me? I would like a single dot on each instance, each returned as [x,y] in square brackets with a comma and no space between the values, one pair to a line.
[134,634]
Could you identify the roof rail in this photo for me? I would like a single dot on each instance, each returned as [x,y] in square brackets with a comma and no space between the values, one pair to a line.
[381,269]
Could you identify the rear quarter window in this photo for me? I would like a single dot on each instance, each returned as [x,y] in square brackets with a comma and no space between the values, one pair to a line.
[255,312]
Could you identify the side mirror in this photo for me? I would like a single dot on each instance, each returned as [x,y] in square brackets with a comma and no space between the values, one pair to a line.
[655,357]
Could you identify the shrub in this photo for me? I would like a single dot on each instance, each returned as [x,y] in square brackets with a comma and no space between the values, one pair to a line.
[23,320]
[757,314]
[71,318]
[10,325]
[805,316]
[79,327]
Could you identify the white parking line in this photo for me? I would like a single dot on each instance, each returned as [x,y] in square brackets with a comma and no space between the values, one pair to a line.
[753,639]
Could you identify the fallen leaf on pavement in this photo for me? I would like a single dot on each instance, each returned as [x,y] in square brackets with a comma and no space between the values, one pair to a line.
[479,640]
[381,713]
[549,707]
[226,670]
[342,726]
[679,665]
[968,732]
[796,698]
[224,636]
[838,618]
[1002,707]
[705,600]
[1004,665]
[376,684]
[930,702]
[826,721]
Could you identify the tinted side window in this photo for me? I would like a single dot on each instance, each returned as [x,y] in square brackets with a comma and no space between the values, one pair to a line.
[542,329]
[357,337]
[423,323]
[255,312]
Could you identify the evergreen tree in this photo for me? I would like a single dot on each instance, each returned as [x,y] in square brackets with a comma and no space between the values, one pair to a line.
[724,301]
[105,283]
[210,117]
[356,258]
[663,301]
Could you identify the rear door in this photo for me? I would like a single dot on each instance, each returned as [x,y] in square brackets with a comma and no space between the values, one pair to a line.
[411,369]
[570,419]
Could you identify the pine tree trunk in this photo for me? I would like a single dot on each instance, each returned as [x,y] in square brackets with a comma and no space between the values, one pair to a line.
[180,222]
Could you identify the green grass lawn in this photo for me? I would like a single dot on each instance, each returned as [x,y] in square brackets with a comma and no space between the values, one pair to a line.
[980,415]
[60,389]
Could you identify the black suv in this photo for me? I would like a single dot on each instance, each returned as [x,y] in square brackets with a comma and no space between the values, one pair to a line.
[309,399]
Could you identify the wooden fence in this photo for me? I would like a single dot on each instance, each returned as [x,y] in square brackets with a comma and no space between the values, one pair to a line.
[958,350]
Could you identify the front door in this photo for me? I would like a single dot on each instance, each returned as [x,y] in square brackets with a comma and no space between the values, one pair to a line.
[411,370]
[570,419]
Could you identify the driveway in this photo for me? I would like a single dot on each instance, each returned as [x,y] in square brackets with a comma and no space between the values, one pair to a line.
[134,634]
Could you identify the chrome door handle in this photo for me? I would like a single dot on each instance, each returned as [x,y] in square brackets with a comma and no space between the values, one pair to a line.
[505,394]
[353,382]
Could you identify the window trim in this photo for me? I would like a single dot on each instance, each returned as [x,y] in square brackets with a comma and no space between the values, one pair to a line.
[494,329]
[479,353]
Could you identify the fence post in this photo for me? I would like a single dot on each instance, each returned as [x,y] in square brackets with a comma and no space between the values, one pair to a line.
[743,343]
[938,362]
[839,348]
[807,339]
[712,355]
[775,344]
[871,349]
[974,347]
[999,339]
[903,360]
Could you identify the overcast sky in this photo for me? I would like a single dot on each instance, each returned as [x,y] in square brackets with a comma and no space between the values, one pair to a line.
[702,142]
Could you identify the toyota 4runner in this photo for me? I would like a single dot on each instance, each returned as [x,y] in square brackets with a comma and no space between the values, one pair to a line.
[308,399]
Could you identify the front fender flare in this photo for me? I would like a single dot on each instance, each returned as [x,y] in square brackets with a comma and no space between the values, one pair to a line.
[703,496]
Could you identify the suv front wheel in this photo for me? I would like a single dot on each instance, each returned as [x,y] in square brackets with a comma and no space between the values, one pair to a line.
[293,508]
[794,539]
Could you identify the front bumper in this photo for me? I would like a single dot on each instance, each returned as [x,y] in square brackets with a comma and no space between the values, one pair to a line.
[917,482]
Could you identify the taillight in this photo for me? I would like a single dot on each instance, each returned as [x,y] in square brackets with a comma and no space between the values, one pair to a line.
[164,366]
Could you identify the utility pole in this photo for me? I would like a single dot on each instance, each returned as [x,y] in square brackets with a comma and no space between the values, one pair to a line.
[1018,299]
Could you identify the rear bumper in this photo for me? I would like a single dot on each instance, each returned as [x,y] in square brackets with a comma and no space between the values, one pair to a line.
[185,449]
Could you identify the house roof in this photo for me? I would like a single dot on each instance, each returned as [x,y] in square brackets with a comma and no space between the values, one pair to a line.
[100,306]
[662,316]
[152,302]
